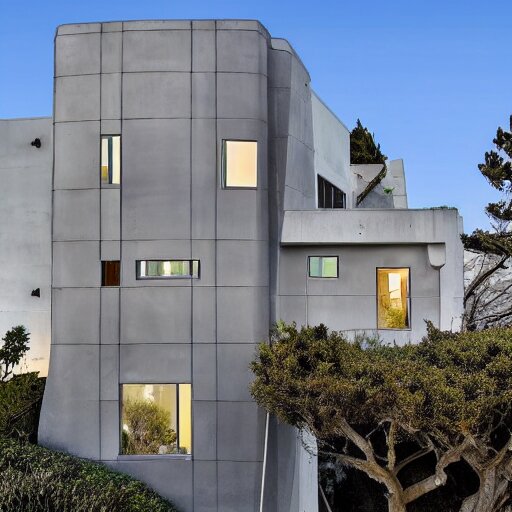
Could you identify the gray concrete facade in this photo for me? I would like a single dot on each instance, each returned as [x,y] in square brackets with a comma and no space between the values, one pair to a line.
[174,91]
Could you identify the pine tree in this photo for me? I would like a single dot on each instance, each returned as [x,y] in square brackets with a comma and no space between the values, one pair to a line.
[363,149]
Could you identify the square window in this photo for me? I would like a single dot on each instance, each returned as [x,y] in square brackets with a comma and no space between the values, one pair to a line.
[156,419]
[111,159]
[323,266]
[110,273]
[393,302]
[167,269]
[240,164]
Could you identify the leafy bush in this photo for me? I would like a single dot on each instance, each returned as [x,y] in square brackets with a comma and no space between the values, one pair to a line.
[35,479]
[20,404]
[148,430]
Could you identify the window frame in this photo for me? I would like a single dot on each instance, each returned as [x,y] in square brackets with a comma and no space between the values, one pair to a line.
[223,167]
[134,456]
[333,194]
[324,256]
[409,299]
[102,183]
[138,277]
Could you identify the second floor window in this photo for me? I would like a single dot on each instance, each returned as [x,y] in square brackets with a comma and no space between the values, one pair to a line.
[239,164]
[330,196]
[110,159]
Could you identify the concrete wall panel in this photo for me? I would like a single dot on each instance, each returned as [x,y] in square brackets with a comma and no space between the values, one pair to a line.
[76,215]
[234,374]
[156,179]
[241,95]
[157,50]
[155,363]
[239,486]
[110,214]
[155,315]
[109,315]
[111,96]
[77,54]
[156,95]
[241,431]
[111,52]
[203,50]
[109,428]
[204,311]
[241,51]
[242,314]
[76,313]
[77,98]
[204,446]
[78,143]
[242,263]
[203,95]
[71,408]
[76,264]
[205,486]
[109,372]
[204,374]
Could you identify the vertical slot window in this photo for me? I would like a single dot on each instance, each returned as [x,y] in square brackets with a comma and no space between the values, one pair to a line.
[111,159]
[393,301]
[240,164]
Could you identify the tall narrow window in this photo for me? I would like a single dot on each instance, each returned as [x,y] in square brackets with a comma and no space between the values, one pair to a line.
[111,159]
[393,298]
[110,273]
[330,196]
[167,269]
[323,266]
[240,164]
[156,419]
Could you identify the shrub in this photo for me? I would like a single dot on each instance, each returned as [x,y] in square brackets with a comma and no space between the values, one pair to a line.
[20,403]
[35,479]
[148,428]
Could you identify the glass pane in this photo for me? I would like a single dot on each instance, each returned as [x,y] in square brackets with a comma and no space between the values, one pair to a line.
[393,298]
[314,266]
[185,410]
[328,192]
[104,160]
[330,266]
[321,198]
[116,160]
[167,268]
[339,198]
[149,416]
[241,163]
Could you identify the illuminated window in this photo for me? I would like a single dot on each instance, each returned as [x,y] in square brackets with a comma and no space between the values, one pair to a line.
[110,273]
[167,269]
[156,419]
[393,298]
[323,266]
[240,163]
[330,196]
[111,159]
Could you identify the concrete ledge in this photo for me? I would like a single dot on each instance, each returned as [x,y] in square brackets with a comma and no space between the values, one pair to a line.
[321,227]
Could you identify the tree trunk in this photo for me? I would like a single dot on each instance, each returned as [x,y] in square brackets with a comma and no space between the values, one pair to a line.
[396,503]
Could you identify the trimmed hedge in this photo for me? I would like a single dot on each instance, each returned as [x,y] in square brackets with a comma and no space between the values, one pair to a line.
[35,479]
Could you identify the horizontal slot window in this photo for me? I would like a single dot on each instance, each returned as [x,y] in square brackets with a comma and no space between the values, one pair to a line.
[167,269]
[323,266]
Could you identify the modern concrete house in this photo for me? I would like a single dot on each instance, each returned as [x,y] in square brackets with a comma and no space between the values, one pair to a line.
[201,192]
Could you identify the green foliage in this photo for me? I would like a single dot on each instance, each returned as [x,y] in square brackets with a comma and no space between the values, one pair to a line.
[395,318]
[447,386]
[148,428]
[13,350]
[20,403]
[363,149]
[35,479]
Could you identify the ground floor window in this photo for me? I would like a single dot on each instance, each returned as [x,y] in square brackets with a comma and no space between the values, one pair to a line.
[393,309]
[156,419]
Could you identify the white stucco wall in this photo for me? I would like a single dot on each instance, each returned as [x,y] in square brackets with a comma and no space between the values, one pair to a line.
[25,233]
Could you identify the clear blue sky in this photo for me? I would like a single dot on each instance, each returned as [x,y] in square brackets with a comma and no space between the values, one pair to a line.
[432,79]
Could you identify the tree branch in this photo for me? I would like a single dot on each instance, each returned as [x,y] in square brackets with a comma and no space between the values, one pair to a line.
[482,278]
[358,440]
[439,477]
[391,437]
[412,458]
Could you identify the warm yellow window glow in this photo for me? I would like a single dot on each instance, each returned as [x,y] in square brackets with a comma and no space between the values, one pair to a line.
[393,298]
[156,419]
[240,163]
[111,159]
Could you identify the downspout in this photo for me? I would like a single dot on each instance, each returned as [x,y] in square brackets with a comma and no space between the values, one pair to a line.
[263,471]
